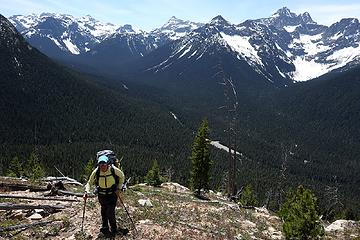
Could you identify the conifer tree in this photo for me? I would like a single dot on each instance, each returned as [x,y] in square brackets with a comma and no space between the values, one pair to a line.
[89,167]
[34,169]
[15,168]
[153,177]
[301,219]
[247,197]
[200,159]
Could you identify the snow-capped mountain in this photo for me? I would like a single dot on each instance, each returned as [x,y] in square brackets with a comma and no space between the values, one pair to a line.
[128,43]
[314,49]
[176,28]
[250,44]
[56,34]
[284,46]
[195,64]
[284,17]
[59,35]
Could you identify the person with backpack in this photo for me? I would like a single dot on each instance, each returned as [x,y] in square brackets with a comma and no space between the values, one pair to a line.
[106,177]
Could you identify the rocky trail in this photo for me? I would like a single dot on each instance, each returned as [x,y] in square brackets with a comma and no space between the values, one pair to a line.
[168,212]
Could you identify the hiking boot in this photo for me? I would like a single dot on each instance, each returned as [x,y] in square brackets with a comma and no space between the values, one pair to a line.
[120,231]
[105,231]
[123,231]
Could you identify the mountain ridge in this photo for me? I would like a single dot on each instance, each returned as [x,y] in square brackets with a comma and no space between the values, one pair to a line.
[286,44]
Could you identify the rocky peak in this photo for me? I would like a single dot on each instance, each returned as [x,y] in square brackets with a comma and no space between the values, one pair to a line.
[126,29]
[284,12]
[218,20]
[284,17]
[173,20]
[176,28]
[306,18]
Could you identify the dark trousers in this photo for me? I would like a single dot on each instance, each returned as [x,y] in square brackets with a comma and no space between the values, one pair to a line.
[108,204]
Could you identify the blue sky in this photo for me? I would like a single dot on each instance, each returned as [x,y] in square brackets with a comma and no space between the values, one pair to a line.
[150,14]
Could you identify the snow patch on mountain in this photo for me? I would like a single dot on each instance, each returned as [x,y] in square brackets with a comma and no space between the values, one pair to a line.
[193,54]
[291,29]
[306,69]
[56,42]
[242,46]
[71,47]
[95,27]
[345,55]
[309,69]
[28,21]
[185,52]
[311,44]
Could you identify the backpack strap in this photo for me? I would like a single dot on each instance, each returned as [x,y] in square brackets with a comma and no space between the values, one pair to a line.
[116,177]
[97,176]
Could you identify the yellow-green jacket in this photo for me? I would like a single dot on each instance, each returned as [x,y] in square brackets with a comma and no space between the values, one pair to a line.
[106,179]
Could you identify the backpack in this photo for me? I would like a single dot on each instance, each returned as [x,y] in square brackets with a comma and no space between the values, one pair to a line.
[110,154]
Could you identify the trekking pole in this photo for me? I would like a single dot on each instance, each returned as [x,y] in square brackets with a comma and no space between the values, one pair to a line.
[83,216]
[123,188]
[122,203]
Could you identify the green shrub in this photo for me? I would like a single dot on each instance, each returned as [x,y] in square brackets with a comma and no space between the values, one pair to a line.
[15,168]
[301,219]
[89,167]
[34,168]
[247,197]
[153,177]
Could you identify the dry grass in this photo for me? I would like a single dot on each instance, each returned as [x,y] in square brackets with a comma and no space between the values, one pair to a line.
[176,214]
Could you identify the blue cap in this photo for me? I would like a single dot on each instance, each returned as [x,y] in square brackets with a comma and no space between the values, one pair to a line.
[103,159]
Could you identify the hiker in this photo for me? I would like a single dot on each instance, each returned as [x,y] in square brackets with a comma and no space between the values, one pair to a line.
[106,178]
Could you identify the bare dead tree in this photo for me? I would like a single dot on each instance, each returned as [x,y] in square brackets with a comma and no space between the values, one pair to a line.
[169,172]
[286,153]
[269,193]
[231,105]
[333,201]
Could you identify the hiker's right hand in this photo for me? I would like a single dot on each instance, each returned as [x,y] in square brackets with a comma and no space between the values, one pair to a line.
[85,196]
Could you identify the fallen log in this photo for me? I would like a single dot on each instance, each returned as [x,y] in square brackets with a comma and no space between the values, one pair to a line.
[22,187]
[39,198]
[20,226]
[75,194]
[11,206]
[67,179]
